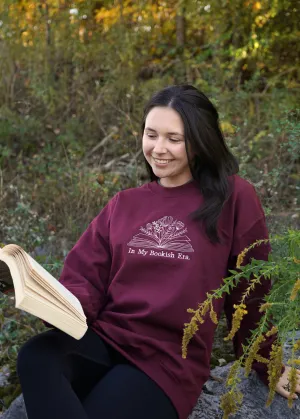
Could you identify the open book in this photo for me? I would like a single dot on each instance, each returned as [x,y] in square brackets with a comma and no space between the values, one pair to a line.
[37,292]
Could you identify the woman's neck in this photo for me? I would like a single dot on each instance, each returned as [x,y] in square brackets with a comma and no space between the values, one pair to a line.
[185,183]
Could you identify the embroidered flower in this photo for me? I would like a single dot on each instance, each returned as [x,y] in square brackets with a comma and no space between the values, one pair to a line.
[166,221]
[179,225]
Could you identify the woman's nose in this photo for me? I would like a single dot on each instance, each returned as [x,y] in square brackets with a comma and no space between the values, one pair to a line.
[160,146]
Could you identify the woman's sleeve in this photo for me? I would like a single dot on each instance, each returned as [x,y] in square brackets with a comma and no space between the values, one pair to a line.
[250,226]
[87,266]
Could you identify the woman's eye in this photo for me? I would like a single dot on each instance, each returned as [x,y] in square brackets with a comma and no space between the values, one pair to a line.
[150,136]
[174,140]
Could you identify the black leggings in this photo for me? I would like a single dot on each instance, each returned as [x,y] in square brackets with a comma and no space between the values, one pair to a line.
[62,378]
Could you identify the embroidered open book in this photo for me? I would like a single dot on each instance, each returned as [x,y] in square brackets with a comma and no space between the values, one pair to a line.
[39,293]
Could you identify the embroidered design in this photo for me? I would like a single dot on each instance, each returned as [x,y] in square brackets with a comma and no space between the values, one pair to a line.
[165,233]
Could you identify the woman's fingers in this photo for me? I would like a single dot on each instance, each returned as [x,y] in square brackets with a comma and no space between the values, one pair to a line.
[283,386]
[285,393]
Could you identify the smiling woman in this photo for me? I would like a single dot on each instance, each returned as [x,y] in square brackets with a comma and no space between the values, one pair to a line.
[164,147]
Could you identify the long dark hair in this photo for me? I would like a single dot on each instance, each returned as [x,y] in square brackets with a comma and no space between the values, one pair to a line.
[212,163]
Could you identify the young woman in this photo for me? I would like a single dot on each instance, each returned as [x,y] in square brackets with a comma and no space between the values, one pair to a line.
[152,253]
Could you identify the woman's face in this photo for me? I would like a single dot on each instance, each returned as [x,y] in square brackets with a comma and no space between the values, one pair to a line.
[164,146]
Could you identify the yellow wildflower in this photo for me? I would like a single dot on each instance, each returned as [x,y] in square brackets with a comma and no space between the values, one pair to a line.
[189,331]
[241,258]
[272,332]
[240,311]
[294,361]
[293,380]
[261,359]
[191,328]
[230,402]
[232,373]
[253,353]
[265,307]
[295,290]
[274,370]
[242,255]
[213,315]
[297,345]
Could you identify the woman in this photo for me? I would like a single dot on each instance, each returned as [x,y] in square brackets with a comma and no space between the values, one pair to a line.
[150,254]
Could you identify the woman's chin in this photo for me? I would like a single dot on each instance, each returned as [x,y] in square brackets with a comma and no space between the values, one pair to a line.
[161,173]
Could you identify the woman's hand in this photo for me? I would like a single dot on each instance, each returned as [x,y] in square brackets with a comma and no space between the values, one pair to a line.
[283,385]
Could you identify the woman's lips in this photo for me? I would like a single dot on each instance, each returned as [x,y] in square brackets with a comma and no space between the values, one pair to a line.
[161,162]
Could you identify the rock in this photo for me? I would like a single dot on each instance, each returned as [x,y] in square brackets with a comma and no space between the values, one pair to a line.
[208,405]
[16,410]
[4,373]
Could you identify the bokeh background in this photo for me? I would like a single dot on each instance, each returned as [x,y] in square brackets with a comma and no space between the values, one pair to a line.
[74,77]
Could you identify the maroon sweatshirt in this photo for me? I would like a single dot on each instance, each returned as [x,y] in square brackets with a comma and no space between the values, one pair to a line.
[143,261]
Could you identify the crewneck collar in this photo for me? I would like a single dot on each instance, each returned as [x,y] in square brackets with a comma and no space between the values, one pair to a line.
[159,182]
[175,191]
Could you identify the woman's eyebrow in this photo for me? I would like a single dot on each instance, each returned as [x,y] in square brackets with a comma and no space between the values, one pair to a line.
[170,133]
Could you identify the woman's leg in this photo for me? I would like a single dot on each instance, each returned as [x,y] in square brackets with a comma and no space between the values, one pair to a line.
[56,371]
[125,392]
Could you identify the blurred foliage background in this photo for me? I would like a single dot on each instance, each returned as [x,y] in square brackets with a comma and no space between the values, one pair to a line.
[74,78]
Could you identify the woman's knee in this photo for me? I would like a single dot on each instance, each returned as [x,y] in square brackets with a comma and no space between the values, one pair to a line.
[39,351]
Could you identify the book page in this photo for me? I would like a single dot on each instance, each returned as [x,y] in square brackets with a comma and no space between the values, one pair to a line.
[54,316]
[55,284]
[47,303]
[43,294]
[28,275]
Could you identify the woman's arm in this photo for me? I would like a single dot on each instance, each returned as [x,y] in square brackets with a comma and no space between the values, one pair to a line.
[254,301]
[249,226]
[87,266]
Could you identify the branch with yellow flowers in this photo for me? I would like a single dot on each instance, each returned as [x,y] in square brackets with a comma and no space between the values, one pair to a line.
[281,308]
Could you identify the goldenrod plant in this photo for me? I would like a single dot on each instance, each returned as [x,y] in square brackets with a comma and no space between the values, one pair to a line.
[280,316]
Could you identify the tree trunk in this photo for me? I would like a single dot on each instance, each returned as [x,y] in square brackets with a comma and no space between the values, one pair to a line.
[180,29]
[47,23]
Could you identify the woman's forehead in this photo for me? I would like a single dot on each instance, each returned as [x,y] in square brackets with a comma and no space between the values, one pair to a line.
[164,119]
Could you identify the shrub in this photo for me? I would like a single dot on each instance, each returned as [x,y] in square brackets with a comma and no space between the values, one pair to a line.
[281,308]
